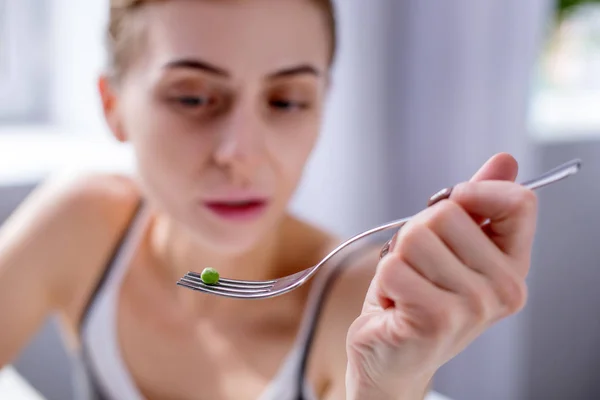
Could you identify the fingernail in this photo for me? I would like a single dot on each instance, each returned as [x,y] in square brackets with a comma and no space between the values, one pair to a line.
[439,196]
[393,241]
[388,247]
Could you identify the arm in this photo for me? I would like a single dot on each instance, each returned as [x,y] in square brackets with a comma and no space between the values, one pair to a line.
[50,255]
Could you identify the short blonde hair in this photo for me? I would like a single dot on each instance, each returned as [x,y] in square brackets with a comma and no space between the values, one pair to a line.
[122,29]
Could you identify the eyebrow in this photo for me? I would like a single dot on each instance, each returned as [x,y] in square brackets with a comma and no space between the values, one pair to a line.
[196,64]
[303,69]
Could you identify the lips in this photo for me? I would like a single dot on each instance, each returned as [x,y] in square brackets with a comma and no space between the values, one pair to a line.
[239,209]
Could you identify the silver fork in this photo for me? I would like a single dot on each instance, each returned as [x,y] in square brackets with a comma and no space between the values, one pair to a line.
[276,287]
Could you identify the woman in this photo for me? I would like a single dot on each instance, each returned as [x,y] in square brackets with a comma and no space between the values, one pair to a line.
[222,102]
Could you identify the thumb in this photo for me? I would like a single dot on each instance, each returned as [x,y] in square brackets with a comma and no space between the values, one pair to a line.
[501,167]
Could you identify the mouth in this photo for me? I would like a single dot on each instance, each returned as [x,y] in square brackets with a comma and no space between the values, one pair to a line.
[237,209]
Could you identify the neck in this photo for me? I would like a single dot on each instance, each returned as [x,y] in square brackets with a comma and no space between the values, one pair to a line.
[179,252]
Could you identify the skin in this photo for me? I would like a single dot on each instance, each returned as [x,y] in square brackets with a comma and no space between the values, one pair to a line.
[386,328]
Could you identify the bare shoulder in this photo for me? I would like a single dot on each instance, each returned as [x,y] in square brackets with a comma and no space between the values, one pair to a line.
[91,190]
[70,203]
[66,227]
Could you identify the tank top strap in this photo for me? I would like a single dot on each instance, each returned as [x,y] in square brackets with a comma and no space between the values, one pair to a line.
[123,246]
[318,297]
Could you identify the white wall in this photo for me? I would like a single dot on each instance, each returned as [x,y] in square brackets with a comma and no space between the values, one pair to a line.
[78,57]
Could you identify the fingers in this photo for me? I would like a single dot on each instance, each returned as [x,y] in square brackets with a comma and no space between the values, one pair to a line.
[452,251]
[422,249]
[511,208]
[501,167]
[401,287]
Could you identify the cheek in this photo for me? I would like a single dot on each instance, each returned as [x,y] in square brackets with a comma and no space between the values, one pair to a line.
[291,151]
[169,152]
[161,136]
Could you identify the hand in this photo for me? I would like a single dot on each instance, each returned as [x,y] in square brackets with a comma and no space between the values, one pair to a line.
[444,282]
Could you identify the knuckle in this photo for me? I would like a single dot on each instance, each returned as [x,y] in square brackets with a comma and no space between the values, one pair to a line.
[386,263]
[390,267]
[525,200]
[479,301]
[460,189]
[444,214]
[410,237]
[514,294]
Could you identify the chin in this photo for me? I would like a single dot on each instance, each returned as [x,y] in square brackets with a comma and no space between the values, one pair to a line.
[237,233]
[231,238]
[228,230]
[231,244]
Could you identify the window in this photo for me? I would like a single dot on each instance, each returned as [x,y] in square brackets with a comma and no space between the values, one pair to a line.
[566,98]
[24,61]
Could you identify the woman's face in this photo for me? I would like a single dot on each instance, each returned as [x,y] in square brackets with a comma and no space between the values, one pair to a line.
[223,106]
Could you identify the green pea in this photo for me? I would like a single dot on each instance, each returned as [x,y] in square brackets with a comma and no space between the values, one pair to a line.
[210,276]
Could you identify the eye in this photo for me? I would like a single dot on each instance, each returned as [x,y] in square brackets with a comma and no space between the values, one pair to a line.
[287,105]
[192,101]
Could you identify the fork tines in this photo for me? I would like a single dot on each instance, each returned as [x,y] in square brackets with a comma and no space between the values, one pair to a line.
[226,287]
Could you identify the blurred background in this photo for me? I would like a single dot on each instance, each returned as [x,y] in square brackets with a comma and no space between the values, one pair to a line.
[424,92]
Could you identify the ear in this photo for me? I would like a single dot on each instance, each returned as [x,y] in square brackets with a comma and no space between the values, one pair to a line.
[109,98]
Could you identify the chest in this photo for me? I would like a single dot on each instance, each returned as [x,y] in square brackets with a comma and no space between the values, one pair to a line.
[172,356]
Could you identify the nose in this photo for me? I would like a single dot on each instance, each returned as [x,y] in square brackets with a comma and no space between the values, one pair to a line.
[240,150]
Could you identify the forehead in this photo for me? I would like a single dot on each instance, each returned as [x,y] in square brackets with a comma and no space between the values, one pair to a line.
[244,37]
